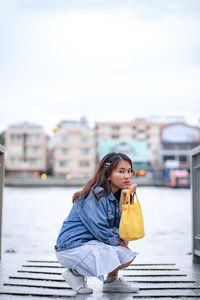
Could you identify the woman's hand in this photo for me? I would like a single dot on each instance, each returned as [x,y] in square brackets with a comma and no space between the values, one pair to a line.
[123,244]
[132,188]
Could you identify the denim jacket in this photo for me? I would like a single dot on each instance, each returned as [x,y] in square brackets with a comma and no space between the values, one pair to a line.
[91,219]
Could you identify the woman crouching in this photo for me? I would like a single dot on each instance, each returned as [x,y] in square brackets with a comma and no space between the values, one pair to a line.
[88,243]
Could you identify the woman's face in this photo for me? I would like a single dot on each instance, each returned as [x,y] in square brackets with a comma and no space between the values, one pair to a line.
[120,178]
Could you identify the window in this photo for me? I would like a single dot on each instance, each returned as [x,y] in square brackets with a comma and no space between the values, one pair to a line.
[62,151]
[169,146]
[182,146]
[84,163]
[65,151]
[64,139]
[15,149]
[115,136]
[84,151]
[168,157]
[84,139]
[183,158]
[33,150]
[16,137]
[15,161]
[64,163]
[33,137]
[115,127]
[33,161]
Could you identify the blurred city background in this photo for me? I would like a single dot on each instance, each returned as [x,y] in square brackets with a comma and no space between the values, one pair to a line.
[80,79]
[160,151]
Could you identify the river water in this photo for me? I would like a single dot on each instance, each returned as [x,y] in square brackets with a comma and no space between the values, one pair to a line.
[32,218]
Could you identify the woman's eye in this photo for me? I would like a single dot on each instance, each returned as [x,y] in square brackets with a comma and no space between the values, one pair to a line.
[122,172]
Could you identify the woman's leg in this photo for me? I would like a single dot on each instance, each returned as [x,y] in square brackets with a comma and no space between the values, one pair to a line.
[117,285]
[114,273]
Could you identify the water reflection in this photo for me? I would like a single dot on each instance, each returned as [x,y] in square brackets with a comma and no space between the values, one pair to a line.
[33,216]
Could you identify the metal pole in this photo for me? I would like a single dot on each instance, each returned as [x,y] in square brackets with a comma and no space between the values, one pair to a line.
[2,151]
[195,186]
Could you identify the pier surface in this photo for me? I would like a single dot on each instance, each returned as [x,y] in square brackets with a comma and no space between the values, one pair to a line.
[157,278]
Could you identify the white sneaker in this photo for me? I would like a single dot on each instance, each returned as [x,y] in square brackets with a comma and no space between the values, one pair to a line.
[77,283]
[118,285]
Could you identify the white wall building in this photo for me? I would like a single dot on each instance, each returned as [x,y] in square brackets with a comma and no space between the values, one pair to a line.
[139,129]
[74,149]
[26,149]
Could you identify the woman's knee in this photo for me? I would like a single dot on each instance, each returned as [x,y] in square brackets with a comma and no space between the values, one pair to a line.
[125,265]
[128,263]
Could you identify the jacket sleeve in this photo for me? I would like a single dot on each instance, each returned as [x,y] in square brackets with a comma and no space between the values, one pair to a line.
[94,216]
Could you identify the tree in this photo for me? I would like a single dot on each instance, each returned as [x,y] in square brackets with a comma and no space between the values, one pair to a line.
[2,138]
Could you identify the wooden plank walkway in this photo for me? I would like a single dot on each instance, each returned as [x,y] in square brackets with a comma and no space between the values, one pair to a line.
[156,280]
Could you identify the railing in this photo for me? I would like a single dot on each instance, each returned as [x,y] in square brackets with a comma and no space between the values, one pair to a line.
[195,186]
[2,150]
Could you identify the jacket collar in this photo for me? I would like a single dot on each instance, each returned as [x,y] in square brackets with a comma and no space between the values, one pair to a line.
[100,189]
[111,197]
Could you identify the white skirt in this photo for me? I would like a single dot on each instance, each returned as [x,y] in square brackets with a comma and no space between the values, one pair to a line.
[95,258]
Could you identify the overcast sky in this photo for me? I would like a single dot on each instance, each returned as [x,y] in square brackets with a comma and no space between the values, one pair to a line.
[108,60]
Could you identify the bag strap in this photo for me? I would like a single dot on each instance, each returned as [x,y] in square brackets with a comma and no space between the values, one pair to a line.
[133,198]
[128,197]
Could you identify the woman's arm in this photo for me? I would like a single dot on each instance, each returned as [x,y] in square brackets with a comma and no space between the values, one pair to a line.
[132,188]
[123,244]
[94,216]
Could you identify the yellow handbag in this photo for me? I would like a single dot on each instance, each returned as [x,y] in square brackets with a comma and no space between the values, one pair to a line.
[131,225]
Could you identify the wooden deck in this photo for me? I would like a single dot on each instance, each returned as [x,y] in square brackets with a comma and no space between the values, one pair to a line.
[157,278]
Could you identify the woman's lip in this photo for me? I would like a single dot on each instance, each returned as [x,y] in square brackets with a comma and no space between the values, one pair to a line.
[127,182]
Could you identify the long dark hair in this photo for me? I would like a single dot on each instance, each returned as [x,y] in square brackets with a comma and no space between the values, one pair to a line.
[103,171]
